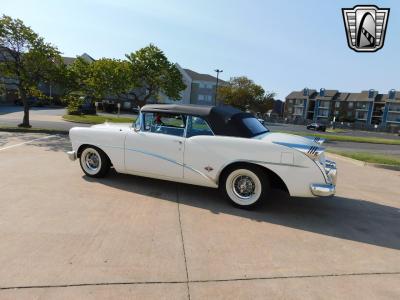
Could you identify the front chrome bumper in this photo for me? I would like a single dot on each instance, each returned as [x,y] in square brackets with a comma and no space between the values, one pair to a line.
[329,188]
[323,190]
[71,155]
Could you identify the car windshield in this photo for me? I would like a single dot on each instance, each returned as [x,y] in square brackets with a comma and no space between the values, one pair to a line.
[254,126]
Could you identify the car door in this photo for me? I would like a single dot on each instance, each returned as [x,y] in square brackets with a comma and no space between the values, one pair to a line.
[157,148]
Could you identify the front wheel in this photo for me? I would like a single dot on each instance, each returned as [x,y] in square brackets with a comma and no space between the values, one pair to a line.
[245,186]
[94,162]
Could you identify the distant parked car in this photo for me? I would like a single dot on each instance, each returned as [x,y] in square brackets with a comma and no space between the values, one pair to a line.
[316,127]
[87,107]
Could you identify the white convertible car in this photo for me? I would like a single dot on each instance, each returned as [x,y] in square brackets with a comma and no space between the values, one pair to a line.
[213,146]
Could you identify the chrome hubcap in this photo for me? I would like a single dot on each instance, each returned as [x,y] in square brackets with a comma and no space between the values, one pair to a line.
[92,161]
[243,186]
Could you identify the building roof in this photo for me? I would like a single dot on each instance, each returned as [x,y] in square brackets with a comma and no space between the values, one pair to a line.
[385,97]
[202,77]
[223,120]
[342,96]
[328,95]
[300,94]
[70,60]
[363,96]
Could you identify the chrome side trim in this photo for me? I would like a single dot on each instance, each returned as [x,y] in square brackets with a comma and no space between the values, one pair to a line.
[322,190]
[174,162]
[72,155]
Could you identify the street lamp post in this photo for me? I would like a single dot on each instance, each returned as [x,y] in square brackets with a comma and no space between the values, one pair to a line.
[216,87]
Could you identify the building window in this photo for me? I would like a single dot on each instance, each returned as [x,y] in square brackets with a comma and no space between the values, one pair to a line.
[351,105]
[361,115]
[324,104]
[394,107]
[337,104]
[298,111]
[200,97]
[323,113]
[361,105]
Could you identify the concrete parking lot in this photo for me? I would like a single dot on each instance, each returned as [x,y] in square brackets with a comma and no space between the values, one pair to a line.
[66,236]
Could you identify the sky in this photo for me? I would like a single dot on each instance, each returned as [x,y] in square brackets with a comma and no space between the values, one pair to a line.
[282,45]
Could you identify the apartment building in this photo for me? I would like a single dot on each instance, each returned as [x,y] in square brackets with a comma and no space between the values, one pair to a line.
[200,88]
[367,108]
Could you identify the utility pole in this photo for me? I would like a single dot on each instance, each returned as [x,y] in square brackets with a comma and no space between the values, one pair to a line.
[216,87]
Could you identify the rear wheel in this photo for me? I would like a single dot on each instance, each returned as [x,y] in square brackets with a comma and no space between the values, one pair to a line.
[245,186]
[94,162]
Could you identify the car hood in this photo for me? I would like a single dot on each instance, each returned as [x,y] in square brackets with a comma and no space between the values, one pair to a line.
[285,138]
[112,126]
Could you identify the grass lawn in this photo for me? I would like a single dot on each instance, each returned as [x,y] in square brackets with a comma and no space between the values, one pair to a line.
[97,119]
[370,157]
[336,130]
[346,138]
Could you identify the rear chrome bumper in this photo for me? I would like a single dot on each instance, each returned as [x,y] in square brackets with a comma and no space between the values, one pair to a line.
[71,155]
[329,188]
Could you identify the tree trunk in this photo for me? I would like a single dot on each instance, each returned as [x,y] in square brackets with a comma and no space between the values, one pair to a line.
[25,120]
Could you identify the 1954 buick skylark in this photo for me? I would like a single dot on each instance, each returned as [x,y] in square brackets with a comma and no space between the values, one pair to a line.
[213,146]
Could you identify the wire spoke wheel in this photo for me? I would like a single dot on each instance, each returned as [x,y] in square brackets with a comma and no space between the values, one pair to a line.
[244,187]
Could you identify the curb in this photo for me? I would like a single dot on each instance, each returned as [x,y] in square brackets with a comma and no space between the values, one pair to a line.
[363,163]
[76,122]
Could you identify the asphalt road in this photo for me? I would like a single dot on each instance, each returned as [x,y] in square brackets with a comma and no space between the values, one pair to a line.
[67,236]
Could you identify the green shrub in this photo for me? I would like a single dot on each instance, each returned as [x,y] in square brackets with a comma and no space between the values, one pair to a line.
[74,104]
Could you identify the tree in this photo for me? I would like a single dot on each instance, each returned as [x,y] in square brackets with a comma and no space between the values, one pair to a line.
[27,58]
[109,77]
[243,93]
[151,71]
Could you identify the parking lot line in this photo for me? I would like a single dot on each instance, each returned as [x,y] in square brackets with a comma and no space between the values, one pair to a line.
[34,140]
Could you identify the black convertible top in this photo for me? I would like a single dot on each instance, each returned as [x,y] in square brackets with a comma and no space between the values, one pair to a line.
[223,120]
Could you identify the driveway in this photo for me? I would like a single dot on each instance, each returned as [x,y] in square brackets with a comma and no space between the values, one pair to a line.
[67,236]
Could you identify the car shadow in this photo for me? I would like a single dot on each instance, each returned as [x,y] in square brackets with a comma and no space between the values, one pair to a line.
[351,219]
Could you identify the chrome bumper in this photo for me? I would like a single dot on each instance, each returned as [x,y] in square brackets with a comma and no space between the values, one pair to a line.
[71,155]
[322,190]
[328,189]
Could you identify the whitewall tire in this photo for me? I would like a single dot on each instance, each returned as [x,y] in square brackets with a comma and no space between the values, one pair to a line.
[94,162]
[245,186]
